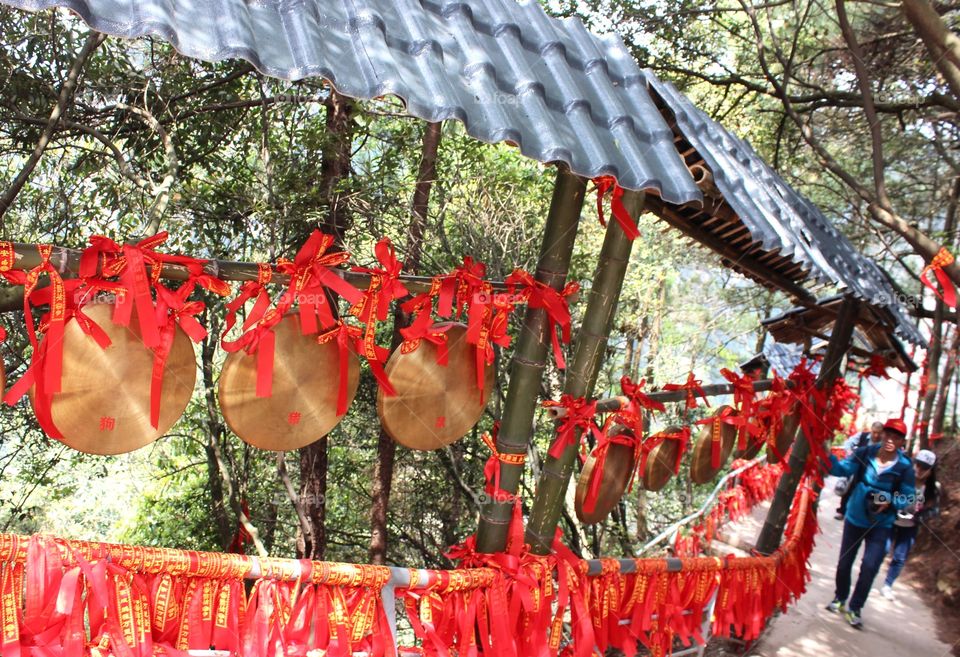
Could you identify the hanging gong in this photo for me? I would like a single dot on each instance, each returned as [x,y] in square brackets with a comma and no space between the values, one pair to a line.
[618,467]
[306,383]
[784,437]
[660,462]
[753,443]
[435,404]
[702,469]
[103,406]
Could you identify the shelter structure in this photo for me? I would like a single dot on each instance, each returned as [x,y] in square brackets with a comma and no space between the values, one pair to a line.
[511,73]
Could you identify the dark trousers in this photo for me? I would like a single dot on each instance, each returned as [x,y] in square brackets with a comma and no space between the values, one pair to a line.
[902,539]
[874,540]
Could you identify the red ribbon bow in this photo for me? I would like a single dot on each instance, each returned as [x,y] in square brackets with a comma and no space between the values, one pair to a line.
[743,399]
[634,392]
[693,387]
[423,328]
[553,302]
[605,184]
[173,310]
[580,415]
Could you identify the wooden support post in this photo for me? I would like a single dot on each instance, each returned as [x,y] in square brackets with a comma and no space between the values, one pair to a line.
[582,373]
[529,358]
[772,532]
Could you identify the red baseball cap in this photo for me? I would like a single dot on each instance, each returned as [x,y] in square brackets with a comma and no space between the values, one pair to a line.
[896,424]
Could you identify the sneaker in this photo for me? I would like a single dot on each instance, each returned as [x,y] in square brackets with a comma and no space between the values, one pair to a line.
[887,592]
[853,618]
[835,607]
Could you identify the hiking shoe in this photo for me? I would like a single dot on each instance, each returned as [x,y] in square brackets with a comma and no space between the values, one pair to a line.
[835,607]
[887,592]
[853,618]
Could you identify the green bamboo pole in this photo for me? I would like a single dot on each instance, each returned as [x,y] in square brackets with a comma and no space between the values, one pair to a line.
[772,531]
[529,359]
[582,373]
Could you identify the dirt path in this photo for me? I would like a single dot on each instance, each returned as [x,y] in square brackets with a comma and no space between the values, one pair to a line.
[905,626]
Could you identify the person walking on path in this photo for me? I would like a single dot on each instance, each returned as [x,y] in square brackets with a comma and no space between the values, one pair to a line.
[852,444]
[884,485]
[905,527]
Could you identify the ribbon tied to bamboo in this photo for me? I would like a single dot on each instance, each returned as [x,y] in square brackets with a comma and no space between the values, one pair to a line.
[943,258]
[578,415]
[620,213]
[540,295]
[693,388]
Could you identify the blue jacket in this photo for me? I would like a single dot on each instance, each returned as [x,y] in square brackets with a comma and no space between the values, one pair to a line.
[898,482]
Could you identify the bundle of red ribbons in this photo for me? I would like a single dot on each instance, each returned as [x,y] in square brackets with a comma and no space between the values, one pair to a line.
[76,599]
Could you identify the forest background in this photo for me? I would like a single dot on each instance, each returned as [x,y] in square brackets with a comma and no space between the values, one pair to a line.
[852,102]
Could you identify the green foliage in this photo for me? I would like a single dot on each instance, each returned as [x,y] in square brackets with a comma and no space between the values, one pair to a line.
[248,153]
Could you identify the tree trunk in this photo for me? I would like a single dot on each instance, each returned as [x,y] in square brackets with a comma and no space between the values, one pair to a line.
[929,394]
[942,44]
[772,531]
[949,368]
[334,171]
[386,447]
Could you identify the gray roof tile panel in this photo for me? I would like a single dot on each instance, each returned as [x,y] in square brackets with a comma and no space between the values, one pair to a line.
[506,70]
[777,216]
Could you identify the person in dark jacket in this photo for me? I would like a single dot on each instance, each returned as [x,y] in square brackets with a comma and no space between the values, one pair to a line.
[926,506]
[884,485]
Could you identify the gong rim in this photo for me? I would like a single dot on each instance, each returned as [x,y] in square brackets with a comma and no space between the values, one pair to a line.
[103,406]
[785,437]
[306,382]
[659,468]
[435,404]
[701,469]
[618,469]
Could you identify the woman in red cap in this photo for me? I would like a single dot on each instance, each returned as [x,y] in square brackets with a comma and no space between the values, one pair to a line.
[885,485]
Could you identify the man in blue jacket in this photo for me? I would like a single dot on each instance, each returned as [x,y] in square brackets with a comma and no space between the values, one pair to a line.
[885,485]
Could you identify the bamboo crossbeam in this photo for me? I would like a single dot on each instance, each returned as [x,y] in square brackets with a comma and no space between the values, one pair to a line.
[610,404]
[66,260]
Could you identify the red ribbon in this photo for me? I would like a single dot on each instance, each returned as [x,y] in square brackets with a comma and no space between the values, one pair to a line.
[634,392]
[347,338]
[172,310]
[580,415]
[744,401]
[877,367]
[605,184]
[554,303]
[374,306]
[423,328]
[693,388]
[942,259]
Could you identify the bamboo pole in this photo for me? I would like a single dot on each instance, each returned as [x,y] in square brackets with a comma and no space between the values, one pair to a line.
[610,404]
[529,359]
[772,531]
[582,373]
[67,260]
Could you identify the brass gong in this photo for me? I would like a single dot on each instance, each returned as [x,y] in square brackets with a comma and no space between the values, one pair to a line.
[103,406]
[660,462]
[306,382]
[786,435]
[435,404]
[701,467]
[615,477]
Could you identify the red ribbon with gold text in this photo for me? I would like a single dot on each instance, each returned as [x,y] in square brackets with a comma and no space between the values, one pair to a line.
[693,387]
[579,414]
[553,302]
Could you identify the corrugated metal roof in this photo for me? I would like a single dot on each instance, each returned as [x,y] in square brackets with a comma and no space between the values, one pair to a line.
[507,70]
[778,217]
